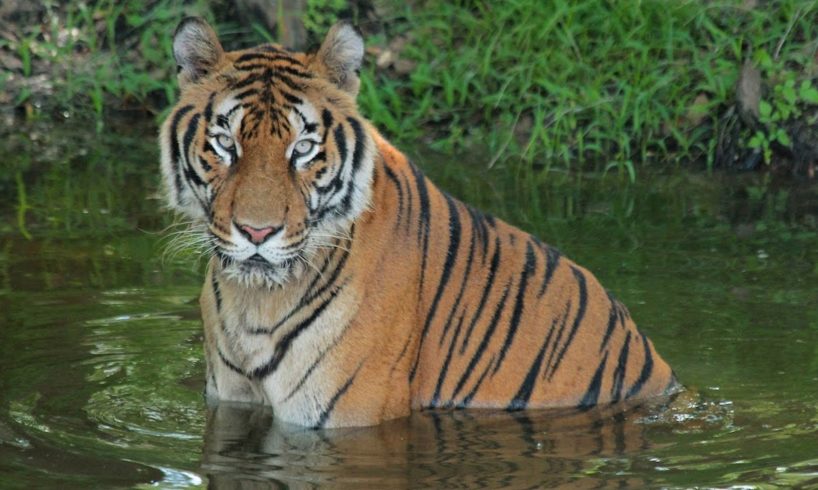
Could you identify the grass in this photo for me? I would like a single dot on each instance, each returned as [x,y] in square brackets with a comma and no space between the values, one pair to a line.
[568,84]
[574,83]
[98,55]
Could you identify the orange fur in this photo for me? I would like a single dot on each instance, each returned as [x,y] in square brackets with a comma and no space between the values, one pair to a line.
[376,293]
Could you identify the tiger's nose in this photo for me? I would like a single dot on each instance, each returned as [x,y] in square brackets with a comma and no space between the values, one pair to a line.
[258,235]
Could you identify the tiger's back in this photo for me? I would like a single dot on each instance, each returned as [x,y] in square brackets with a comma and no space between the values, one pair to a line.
[346,289]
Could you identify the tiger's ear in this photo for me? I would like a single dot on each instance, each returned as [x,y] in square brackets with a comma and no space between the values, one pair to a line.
[340,57]
[197,50]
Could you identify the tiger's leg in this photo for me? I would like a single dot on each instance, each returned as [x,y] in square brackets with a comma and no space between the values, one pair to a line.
[225,379]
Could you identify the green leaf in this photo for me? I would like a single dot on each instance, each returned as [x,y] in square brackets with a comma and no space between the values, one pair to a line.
[808,93]
[789,92]
[757,141]
[764,109]
[782,137]
[763,59]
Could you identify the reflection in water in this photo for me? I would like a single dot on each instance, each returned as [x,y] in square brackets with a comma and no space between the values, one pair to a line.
[245,448]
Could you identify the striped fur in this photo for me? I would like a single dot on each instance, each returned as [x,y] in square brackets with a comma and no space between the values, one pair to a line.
[374,292]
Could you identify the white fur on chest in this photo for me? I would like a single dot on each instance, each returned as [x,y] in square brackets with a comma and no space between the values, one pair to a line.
[285,349]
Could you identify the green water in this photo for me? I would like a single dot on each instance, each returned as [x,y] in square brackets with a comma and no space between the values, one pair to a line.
[101,367]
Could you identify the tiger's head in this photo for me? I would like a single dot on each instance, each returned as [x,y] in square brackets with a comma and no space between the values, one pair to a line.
[266,151]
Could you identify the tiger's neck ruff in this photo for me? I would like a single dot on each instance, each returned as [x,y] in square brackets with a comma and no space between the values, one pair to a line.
[344,288]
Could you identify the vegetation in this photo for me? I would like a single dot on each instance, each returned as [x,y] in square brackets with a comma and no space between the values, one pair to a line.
[76,56]
[568,82]
[565,84]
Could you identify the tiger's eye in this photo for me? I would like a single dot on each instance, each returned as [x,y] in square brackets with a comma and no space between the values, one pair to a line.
[303,147]
[225,141]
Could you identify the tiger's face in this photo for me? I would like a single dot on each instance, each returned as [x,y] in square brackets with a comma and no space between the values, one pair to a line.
[266,150]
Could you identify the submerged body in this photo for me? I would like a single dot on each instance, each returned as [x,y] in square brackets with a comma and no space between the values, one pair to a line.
[345,289]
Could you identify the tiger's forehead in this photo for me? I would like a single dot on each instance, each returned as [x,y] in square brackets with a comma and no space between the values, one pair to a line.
[271,85]
[302,118]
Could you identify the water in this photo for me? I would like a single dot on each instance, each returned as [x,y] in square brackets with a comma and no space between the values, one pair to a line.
[101,367]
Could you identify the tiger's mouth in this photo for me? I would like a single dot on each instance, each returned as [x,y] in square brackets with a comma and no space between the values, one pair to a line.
[256,261]
[258,272]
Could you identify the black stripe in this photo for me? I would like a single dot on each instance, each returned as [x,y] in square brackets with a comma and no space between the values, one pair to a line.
[358,151]
[291,98]
[205,164]
[325,414]
[222,121]
[174,146]
[266,56]
[591,396]
[523,395]
[484,342]
[208,112]
[495,263]
[552,259]
[583,303]
[480,222]
[470,396]
[307,298]
[394,178]
[232,110]
[246,93]
[519,303]
[557,340]
[326,119]
[463,282]
[408,187]
[341,143]
[286,341]
[229,364]
[445,368]
[190,133]
[301,116]
[425,219]
[647,370]
[320,274]
[277,68]
[247,81]
[451,256]
[286,81]
[402,353]
[619,372]
[614,317]
[207,147]
[315,365]
[217,292]
[188,171]
[357,158]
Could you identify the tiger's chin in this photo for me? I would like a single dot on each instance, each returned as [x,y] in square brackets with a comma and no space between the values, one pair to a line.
[256,274]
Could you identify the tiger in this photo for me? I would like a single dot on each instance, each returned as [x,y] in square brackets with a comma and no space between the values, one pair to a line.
[343,288]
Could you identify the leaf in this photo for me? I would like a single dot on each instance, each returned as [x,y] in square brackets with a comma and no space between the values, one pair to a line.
[808,93]
[764,109]
[763,59]
[782,137]
[789,92]
[757,141]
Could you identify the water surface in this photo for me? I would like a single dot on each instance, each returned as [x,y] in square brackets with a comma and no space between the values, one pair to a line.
[101,368]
